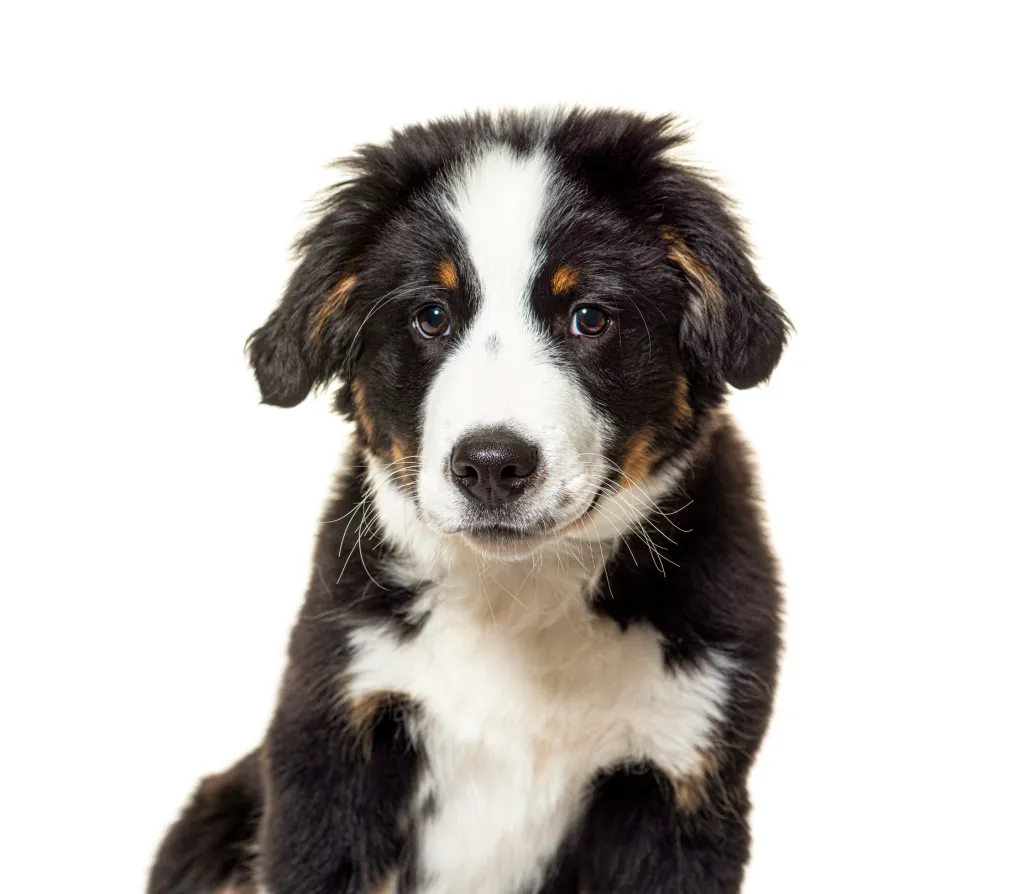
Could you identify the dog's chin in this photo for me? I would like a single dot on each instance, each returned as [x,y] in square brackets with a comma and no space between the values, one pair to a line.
[507,546]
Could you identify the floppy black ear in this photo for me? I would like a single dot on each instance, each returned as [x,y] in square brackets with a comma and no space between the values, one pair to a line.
[731,323]
[758,339]
[311,335]
[292,351]
[276,357]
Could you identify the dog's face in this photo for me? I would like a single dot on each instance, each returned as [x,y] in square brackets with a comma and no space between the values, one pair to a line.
[531,317]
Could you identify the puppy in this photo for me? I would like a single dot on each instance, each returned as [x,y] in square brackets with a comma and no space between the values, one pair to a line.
[539,646]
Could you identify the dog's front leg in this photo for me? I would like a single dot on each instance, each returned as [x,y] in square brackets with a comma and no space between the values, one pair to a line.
[338,781]
[644,834]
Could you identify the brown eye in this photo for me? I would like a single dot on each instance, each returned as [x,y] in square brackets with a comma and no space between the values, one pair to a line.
[432,321]
[588,321]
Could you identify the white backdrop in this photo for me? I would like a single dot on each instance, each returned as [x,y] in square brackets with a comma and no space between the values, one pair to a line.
[157,522]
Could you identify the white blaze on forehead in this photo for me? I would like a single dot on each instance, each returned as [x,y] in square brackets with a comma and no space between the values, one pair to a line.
[499,204]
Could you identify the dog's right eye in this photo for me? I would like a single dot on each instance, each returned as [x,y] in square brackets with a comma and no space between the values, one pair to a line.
[432,321]
[588,321]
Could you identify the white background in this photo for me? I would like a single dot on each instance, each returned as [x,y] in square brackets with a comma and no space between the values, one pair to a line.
[157,522]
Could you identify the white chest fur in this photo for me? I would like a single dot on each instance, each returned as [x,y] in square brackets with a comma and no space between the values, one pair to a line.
[516,720]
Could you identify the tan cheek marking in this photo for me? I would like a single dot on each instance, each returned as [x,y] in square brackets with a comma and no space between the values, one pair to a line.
[639,457]
[363,418]
[401,460]
[563,279]
[684,412]
[334,302]
[447,275]
[679,253]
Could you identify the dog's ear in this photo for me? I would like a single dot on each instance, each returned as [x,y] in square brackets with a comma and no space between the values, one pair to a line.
[731,322]
[299,345]
[313,334]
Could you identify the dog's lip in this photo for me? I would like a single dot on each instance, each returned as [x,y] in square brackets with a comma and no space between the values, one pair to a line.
[502,542]
[508,535]
[505,535]
[503,532]
[500,537]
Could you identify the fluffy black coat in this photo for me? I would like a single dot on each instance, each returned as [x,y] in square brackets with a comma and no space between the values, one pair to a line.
[322,806]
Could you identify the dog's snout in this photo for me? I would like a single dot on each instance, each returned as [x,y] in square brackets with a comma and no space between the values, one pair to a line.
[494,466]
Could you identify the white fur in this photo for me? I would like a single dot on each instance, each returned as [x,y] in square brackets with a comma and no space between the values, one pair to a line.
[498,203]
[517,716]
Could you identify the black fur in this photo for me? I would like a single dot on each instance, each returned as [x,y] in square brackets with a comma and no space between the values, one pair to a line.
[210,848]
[634,838]
[333,803]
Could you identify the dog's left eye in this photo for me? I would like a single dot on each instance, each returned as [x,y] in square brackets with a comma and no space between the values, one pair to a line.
[433,321]
[588,322]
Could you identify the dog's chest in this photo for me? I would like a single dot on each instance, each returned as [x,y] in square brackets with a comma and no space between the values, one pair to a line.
[515,721]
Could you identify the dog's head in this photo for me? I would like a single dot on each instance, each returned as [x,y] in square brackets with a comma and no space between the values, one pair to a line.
[530,315]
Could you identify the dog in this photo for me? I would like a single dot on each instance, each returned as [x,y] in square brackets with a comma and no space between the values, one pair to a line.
[540,641]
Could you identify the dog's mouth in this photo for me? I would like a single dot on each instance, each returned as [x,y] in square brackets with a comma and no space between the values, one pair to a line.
[513,541]
[486,533]
[505,542]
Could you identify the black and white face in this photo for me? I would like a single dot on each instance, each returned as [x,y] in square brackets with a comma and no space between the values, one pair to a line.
[533,331]
[513,436]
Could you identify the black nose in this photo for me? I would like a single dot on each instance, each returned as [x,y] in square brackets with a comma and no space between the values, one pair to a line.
[494,466]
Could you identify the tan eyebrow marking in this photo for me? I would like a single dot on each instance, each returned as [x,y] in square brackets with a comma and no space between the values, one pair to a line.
[563,279]
[447,275]
[679,253]
[330,305]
